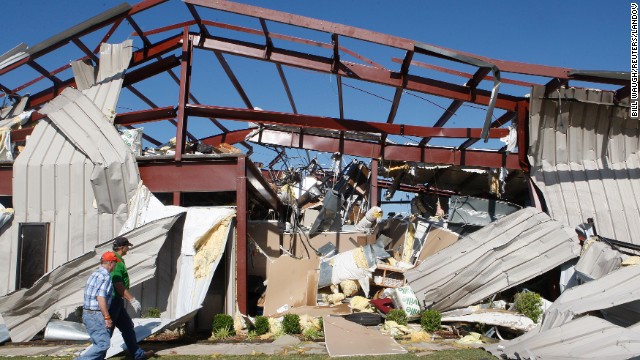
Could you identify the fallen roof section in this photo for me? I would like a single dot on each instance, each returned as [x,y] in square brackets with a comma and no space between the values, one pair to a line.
[27,311]
[505,253]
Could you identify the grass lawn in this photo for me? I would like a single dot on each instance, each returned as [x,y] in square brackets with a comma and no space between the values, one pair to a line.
[463,354]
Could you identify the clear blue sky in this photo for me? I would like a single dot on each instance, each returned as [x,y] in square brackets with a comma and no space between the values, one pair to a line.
[588,35]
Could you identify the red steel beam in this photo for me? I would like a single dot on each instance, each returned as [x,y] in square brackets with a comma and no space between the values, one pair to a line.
[336,124]
[306,22]
[142,116]
[189,176]
[506,117]
[6,180]
[371,36]
[357,71]
[139,57]
[231,137]
[432,155]
[523,134]
[463,74]
[185,77]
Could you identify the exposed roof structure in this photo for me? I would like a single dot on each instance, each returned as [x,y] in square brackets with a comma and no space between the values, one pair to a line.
[163,49]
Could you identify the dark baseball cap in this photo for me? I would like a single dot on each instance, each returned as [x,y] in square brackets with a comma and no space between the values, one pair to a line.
[121,241]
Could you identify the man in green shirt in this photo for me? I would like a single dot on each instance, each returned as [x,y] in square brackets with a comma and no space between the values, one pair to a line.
[117,311]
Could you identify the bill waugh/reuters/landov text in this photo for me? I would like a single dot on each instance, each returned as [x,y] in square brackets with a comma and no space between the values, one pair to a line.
[634,60]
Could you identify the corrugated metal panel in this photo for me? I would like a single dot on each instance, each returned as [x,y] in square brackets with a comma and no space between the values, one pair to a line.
[115,176]
[597,260]
[584,151]
[585,338]
[114,60]
[505,253]
[617,288]
[84,73]
[75,173]
[27,311]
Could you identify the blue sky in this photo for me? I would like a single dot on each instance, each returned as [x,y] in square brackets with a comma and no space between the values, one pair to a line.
[589,35]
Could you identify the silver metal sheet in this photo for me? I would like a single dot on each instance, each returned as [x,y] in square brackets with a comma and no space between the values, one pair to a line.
[584,151]
[57,330]
[585,338]
[503,254]
[470,210]
[597,260]
[75,172]
[27,311]
[616,288]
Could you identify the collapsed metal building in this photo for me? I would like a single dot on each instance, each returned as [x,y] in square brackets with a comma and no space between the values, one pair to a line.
[570,152]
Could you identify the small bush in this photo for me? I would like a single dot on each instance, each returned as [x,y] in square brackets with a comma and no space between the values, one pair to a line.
[529,304]
[311,334]
[251,335]
[399,316]
[153,312]
[291,324]
[430,320]
[77,313]
[262,325]
[221,323]
[224,333]
[321,324]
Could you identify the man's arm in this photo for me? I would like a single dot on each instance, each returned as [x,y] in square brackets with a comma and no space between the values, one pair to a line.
[123,291]
[102,304]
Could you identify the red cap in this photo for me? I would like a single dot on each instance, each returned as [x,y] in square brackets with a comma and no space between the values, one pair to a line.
[109,256]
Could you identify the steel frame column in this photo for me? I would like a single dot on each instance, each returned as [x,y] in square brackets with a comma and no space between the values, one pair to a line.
[523,133]
[185,79]
[241,235]
[176,198]
[374,200]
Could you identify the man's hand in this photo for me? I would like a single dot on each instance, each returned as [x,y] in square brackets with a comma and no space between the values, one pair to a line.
[135,304]
[109,323]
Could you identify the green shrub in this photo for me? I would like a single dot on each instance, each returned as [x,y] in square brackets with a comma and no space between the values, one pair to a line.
[399,316]
[430,320]
[222,323]
[529,304]
[152,312]
[77,313]
[321,323]
[262,325]
[291,324]
[311,334]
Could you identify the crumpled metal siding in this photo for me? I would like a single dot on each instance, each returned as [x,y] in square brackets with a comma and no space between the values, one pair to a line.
[505,253]
[75,173]
[27,311]
[585,338]
[616,288]
[584,152]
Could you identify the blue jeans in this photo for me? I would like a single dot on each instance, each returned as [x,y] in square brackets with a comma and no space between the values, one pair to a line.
[100,335]
[123,322]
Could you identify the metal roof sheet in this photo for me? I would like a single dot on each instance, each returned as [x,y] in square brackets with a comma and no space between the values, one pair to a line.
[505,253]
[585,338]
[616,288]
[584,151]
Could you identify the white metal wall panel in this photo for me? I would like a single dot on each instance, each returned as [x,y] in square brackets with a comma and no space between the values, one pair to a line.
[75,173]
[584,150]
